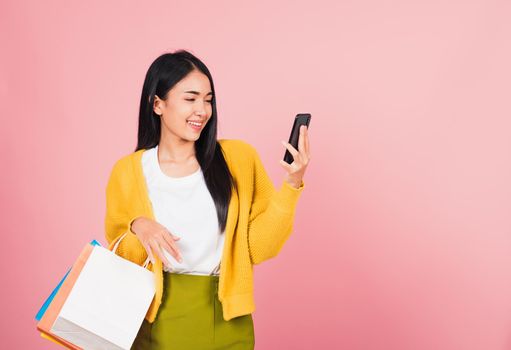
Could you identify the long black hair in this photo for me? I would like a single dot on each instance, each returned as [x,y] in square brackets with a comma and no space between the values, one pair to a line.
[165,72]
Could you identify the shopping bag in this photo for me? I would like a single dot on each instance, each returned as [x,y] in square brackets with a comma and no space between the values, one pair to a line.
[47,302]
[51,313]
[107,302]
[57,341]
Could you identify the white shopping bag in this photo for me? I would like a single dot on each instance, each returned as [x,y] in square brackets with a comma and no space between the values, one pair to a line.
[107,303]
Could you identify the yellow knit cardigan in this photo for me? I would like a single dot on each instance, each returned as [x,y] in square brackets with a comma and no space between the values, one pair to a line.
[259,221]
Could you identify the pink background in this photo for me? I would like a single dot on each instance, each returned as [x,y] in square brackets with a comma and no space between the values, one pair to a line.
[402,237]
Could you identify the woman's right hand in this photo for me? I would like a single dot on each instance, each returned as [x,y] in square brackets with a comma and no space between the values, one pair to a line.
[155,237]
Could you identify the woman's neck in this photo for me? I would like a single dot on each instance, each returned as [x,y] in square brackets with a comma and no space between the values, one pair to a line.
[176,150]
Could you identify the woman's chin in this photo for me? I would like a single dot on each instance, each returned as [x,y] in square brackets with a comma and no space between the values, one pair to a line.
[192,137]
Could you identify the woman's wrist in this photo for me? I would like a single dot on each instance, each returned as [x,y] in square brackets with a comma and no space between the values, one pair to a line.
[135,223]
[295,184]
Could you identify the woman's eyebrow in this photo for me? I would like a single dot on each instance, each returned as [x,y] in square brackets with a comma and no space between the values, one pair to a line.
[198,93]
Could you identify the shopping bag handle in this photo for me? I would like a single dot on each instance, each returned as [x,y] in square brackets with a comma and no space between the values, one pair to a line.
[114,250]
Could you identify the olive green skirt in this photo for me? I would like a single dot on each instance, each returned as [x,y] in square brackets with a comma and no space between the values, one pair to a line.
[190,317]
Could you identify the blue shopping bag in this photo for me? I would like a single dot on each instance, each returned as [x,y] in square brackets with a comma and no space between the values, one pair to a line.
[48,301]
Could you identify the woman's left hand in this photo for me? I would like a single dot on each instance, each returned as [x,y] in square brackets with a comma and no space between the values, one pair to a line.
[301,158]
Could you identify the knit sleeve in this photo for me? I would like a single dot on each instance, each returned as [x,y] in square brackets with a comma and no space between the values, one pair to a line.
[118,222]
[271,215]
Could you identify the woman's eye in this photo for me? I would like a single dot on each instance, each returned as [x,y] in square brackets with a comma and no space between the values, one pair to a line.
[192,99]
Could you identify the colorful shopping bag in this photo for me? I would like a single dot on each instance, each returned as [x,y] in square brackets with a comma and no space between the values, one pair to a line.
[47,302]
[57,341]
[53,309]
[102,302]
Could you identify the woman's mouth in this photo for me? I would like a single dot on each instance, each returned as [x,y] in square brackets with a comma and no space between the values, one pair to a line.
[196,126]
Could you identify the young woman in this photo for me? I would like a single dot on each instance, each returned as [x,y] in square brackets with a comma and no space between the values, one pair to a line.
[202,210]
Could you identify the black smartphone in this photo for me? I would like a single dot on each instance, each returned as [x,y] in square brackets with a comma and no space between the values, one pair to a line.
[300,119]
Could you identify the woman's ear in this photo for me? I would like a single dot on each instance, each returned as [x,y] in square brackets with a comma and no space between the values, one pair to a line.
[157,105]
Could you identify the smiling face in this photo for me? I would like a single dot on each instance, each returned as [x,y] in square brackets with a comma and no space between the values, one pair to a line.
[187,108]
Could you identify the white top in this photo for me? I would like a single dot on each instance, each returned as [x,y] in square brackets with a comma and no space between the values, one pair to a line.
[185,207]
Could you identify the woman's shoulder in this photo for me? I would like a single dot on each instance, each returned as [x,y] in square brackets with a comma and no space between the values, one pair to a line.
[125,162]
[237,147]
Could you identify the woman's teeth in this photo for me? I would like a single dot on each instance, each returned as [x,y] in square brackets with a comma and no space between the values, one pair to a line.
[195,124]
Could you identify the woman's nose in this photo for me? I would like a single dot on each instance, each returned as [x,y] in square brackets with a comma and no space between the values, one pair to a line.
[200,111]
